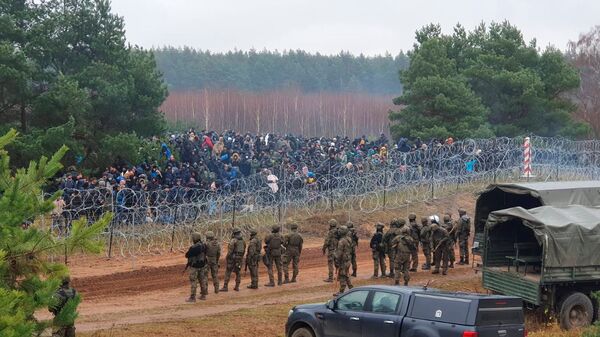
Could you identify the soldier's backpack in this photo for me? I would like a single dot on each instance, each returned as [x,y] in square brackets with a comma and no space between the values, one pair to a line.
[275,244]
[294,240]
[240,247]
[199,260]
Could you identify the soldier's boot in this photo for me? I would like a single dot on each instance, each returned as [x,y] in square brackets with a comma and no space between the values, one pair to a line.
[467,260]
[286,278]
[294,275]
[405,283]
[192,299]
[444,272]
[426,266]
[436,271]
[462,261]
[224,289]
[350,286]
[237,287]
[396,282]
[413,270]
[252,286]
[270,284]
[354,273]
[216,289]
[202,297]
[451,265]
[328,280]
[392,275]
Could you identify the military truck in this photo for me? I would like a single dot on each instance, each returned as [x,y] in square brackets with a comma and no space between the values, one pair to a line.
[530,195]
[548,256]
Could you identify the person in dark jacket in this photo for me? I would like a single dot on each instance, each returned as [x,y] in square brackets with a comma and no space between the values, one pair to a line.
[378,249]
[196,256]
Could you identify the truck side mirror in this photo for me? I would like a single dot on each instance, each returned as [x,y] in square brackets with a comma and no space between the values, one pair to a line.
[330,305]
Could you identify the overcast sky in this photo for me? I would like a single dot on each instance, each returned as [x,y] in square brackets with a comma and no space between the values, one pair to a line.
[329,26]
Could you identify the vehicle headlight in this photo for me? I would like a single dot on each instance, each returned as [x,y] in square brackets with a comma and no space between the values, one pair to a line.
[290,312]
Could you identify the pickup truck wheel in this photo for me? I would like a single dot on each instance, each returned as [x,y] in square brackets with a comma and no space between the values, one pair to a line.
[575,311]
[303,332]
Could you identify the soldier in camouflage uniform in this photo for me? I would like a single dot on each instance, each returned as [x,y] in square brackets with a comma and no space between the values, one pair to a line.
[213,254]
[463,233]
[378,250]
[61,297]
[197,266]
[354,237]
[387,242]
[343,256]
[450,227]
[426,242]
[293,248]
[403,244]
[439,242]
[415,233]
[253,258]
[275,249]
[329,247]
[235,257]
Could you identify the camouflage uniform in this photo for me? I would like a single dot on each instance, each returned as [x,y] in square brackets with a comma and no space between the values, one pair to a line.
[213,254]
[415,233]
[463,233]
[387,239]
[343,256]
[293,248]
[253,258]
[329,247]
[450,227]
[235,257]
[403,244]
[354,238]
[426,242]
[439,242]
[197,268]
[62,296]
[274,247]
[378,250]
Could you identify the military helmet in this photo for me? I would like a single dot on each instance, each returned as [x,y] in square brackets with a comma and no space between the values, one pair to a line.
[66,280]
[462,211]
[394,223]
[446,217]
[275,228]
[424,220]
[294,226]
[196,237]
[343,230]
[237,231]
[332,223]
[412,216]
[210,235]
[349,224]
[401,222]
[253,232]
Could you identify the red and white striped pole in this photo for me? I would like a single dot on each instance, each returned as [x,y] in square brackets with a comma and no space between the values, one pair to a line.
[527,158]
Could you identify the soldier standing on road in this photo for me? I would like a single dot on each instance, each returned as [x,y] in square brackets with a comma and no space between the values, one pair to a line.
[426,242]
[274,244]
[235,257]
[253,258]
[450,227]
[378,250]
[198,269]
[293,248]
[61,297]
[329,247]
[464,232]
[354,238]
[213,254]
[403,244]
[439,242]
[415,233]
[343,256]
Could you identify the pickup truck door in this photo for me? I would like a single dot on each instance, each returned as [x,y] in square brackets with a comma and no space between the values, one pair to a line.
[346,319]
[383,319]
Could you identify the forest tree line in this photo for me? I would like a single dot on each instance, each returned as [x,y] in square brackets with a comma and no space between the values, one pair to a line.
[191,69]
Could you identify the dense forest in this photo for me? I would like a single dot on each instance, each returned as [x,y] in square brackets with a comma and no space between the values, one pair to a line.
[189,69]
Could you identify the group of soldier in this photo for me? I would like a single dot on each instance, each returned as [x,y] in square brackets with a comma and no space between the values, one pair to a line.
[400,244]
[279,252]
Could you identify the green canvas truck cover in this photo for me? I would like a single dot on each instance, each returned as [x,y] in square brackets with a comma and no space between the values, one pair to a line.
[570,235]
[562,193]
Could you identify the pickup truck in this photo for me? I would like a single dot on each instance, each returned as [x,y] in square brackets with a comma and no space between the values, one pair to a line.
[392,311]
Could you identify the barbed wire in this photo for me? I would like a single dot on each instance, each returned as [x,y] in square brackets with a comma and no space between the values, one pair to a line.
[148,222]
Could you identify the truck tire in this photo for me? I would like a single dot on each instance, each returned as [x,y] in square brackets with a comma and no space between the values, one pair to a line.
[575,310]
[303,332]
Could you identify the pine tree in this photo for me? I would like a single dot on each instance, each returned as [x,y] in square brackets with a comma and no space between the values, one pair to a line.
[27,279]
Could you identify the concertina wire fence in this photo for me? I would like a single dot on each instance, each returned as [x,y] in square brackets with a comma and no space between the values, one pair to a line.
[159,221]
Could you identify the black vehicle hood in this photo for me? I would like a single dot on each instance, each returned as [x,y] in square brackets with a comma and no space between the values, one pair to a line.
[312,306]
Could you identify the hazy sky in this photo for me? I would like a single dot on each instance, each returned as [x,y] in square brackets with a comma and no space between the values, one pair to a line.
[329,26]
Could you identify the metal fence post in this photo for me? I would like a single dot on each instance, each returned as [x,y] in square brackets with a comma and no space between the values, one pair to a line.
[110,242]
